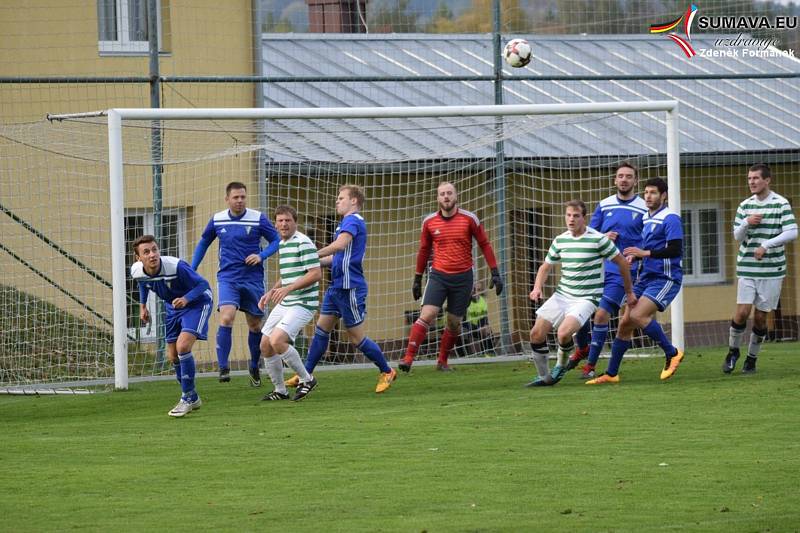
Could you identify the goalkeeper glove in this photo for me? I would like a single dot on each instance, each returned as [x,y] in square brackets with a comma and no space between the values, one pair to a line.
[416,287]
[497,281]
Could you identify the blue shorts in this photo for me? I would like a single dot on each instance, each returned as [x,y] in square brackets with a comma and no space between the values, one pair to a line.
[347,304]
[659,289]
[243,294]
[191,319]
[613,295]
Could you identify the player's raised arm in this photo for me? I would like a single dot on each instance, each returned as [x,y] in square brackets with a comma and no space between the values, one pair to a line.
[208,236]
[269,232]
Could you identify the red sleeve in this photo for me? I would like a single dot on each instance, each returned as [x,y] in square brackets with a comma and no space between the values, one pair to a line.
[483,242]
[425,244]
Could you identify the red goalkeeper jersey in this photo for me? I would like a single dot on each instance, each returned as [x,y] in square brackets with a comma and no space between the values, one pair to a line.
[450,239]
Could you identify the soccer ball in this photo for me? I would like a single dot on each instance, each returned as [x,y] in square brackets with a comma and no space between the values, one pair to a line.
[517,53]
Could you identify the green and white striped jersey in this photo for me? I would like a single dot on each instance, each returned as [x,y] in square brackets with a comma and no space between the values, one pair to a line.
[777,218]
[297,256]
[581,261]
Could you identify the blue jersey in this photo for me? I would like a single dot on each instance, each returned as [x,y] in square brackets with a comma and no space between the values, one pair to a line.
[659,228]
[238,237]
[623,216]
[346,270]
[175,279]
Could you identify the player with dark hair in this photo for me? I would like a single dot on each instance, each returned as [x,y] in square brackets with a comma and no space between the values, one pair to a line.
[658,284]
[619,217]
[296,298]
[764,223]
[187,299]
[448,233]
[240,279]
[346,298]
[581,251]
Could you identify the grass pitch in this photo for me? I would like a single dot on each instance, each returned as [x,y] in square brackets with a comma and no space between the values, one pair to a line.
[467,451]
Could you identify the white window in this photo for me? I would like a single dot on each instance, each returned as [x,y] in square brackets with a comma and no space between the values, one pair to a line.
[703,244]
[122,26]
[173,242]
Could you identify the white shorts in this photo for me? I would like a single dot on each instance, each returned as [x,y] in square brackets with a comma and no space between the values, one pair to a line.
[558,306]
[290,319]
[763,293]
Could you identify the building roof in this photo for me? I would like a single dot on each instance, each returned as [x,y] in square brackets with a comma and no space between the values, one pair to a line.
[716,115]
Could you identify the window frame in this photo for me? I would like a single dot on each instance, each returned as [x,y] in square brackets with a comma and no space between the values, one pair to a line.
[123,45]
[697,277]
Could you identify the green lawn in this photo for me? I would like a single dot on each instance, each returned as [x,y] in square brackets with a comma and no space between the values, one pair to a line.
[468,451]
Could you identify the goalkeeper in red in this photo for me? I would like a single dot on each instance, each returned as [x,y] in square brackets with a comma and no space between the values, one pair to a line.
[448,233]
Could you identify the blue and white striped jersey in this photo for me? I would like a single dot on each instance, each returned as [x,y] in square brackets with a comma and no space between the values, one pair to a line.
[346,270]
[623,216]
[175,279]
[659,228]
[238,237]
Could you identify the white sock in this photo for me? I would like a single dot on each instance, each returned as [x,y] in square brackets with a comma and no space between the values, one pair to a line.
[564,351]
[756,338]
[292,359]
[275,371]
[542,367]
[735,336]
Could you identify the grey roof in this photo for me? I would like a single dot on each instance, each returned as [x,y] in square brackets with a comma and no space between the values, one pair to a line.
[727,115]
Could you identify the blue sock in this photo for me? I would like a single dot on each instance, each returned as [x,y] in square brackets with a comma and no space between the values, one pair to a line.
[319,345]
[187,375]
[254,342]
[618,349]
[177,367]
[654,331]
[374,354]
[583,335]
[599,333]
[223,345]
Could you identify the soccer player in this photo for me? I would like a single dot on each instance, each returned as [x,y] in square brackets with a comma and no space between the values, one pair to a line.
[658,284]
[187,298]
[581,251]
[346,297]
[448,233]
[240,279]
[764,223]
[296,299]
[619,217]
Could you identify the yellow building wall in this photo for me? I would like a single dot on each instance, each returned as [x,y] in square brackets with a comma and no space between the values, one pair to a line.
[66,199]
[199,37]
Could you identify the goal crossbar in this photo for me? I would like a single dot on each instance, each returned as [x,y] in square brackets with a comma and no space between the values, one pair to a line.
[116,175]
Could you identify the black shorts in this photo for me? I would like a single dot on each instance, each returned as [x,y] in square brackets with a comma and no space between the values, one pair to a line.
[455,288]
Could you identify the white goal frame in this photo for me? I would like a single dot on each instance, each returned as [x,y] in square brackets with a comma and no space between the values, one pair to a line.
[116,175]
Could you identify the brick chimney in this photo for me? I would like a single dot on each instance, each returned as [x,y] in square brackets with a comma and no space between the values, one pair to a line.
[336,16]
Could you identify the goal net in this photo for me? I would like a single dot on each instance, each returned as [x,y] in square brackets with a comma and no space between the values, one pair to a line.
[70,306]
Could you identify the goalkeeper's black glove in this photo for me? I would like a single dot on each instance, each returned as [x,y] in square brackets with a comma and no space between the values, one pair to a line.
[497,281]
[416,287]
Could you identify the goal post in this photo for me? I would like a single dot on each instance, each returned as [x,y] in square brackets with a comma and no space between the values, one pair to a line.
[116,157]
[72,315]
